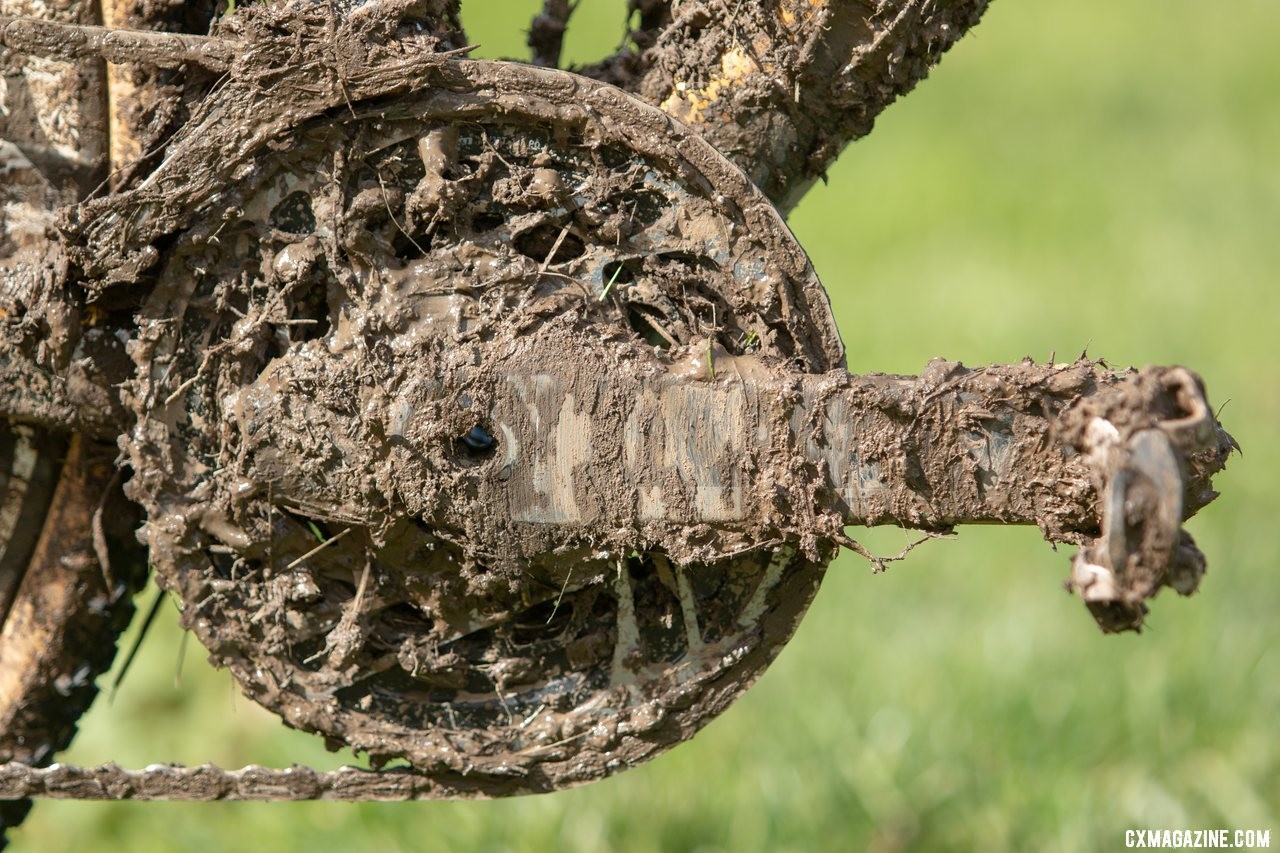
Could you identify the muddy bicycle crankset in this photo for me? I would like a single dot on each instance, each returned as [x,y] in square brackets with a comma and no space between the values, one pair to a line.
[487,419]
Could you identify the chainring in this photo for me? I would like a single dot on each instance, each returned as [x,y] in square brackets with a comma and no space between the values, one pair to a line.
[496,201]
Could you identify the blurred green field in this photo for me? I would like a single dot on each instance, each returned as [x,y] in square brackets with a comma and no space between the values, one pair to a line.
[1092,173]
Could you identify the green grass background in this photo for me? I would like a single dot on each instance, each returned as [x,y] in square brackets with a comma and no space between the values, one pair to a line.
[1094,173]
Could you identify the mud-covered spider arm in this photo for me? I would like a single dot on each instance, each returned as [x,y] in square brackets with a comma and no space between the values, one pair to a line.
[780,87]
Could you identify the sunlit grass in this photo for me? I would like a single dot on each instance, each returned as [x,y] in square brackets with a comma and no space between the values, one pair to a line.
[1090,174]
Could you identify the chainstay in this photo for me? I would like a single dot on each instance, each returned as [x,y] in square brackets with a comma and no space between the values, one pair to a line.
[60,633]
[207,782]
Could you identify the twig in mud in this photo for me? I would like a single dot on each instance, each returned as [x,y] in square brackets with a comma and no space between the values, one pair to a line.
[560,597]
[100,549]
[529,719]
[137,643]
[555,247]
[571,739]
[879,565]
[344,639]
[395,221]
[316,550]
[182,657]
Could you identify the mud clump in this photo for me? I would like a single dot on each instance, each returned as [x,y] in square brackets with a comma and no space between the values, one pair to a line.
[487,419]
[334,317]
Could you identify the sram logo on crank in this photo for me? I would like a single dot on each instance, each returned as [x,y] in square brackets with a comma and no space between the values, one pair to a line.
[381,549]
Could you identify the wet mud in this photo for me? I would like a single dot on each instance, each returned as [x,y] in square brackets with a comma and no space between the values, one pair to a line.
[488,419]
[320,359]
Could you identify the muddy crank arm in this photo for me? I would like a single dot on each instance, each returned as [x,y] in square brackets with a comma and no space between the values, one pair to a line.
[486,417]
[1111,461]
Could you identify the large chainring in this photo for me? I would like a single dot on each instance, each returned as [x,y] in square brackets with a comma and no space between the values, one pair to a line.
[495,203]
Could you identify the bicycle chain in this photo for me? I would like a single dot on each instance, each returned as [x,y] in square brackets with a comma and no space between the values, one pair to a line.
[207,782]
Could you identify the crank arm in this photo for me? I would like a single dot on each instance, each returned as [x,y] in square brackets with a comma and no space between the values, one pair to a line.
[1087,455]
[719,454]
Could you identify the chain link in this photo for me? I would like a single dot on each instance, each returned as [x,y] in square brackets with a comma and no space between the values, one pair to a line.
[207,782]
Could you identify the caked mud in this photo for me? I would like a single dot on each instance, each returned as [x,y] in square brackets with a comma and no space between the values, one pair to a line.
[488,419]
[325,356]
